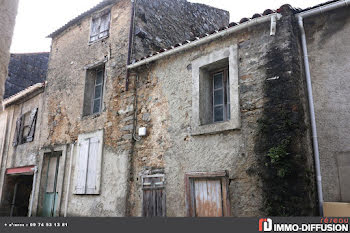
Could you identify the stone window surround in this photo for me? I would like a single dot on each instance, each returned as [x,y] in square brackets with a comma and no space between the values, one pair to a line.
[230,53]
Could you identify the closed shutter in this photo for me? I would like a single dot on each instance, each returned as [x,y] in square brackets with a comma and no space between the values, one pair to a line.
[32,123]
[95,29]
[82,160]
[94,165]
[104,27]
[154,197]
[17,139]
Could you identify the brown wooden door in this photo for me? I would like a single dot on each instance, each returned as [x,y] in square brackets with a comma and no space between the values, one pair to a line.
[208,198]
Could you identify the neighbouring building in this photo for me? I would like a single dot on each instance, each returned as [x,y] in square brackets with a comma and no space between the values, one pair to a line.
[328,45]
[20,121]
[8,12]
[163,108]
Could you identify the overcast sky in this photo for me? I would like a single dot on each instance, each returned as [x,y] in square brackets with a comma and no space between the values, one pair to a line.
[38,18]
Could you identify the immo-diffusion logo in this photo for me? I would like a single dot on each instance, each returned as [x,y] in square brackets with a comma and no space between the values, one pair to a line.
[326,225]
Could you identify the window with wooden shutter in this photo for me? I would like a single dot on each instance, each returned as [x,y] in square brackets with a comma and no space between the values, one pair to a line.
[25,127]
[100,26]
[88,165]
[153,196]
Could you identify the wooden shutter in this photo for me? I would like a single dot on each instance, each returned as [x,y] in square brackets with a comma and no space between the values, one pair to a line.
[94,167]
[154,197]
[17,139]
[95,28]
[82,160]
[104,27]
[32,124]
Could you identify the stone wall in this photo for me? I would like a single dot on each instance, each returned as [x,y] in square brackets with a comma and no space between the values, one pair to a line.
[329,48]
[8,12]
[272,107]
[163,23]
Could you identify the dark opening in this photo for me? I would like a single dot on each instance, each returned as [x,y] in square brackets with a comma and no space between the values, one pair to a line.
[16,198]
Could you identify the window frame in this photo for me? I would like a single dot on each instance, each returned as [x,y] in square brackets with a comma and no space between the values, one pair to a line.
[101,84]
[226,94]
[98,16]
[90,89]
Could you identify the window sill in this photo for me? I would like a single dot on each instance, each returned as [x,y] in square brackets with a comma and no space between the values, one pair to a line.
[92,116]
[95,41]
[215,128]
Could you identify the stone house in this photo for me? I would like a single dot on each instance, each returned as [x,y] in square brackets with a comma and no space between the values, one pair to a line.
[234,115]
[146,114]
[83,160]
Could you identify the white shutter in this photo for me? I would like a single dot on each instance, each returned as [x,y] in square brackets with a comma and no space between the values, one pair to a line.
[95,25]
[104,25]
[94,161]
[81,167]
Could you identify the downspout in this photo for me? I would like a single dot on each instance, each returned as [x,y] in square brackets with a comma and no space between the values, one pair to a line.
[35,170]
[69,177]
[300,17]
[312,116]
[131,43]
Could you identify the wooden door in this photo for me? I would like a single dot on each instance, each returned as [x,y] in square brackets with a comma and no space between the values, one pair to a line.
[208,198]
[50,190]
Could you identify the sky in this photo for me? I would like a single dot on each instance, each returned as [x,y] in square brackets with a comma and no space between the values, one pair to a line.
[38,18]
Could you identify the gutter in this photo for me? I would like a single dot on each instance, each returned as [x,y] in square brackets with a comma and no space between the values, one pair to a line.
[22,94]
[207,39]
[300,17]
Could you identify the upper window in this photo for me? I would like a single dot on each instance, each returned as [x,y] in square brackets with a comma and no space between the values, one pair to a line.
[25,127]
[221,96]
[100,26]
[93,95]
[215,96]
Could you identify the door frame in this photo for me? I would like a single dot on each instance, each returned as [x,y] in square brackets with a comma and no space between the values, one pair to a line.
[222,175]
[60,178]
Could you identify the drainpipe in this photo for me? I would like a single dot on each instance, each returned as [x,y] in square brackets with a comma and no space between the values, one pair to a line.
[300,17]
[131,42]
[35,170]
[69,177]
